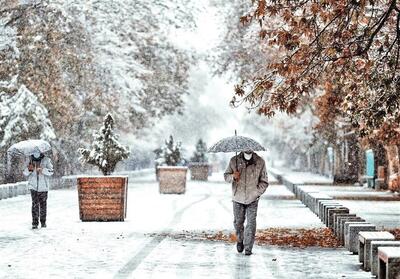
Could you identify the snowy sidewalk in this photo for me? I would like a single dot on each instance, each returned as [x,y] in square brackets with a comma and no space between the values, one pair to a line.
[381,208]
[69,248]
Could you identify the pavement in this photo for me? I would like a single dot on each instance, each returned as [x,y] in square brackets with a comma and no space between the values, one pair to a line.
[139,247]
[381,208]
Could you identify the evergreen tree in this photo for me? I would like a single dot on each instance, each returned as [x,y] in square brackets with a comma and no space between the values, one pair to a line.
[199,156]
[171,153]
[106,151]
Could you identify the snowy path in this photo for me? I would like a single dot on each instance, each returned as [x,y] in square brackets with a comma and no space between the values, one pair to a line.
[69,248]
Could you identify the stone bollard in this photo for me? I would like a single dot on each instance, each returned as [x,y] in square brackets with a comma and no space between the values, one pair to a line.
[374,253]
[338,218]
[15,190]
[11,191]
[314,198]
[325,212]
[323,203]
[2,196]
[364,248]
[22,188]
[342,226]
[389,262]
[351,235]
[332,212]
[335,219]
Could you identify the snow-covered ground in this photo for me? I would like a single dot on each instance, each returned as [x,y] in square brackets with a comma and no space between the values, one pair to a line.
[69,248]
[306,178]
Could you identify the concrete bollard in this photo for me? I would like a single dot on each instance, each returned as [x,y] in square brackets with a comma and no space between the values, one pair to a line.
[335,218]
[2,192]
[11,191]
[22,188]
[345,226]
[374,253]
[351,235]
[364,248]
[315,198]
[339,217]
[389,262]
[332,212]
[325,212]
[323,203]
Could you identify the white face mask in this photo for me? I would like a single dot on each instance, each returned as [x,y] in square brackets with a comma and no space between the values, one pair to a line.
[36,155]
[248,156]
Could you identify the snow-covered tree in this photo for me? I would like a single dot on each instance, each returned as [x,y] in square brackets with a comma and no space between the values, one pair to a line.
[83,59]
[199,156]
[105,151]
[23,117]
[170,153]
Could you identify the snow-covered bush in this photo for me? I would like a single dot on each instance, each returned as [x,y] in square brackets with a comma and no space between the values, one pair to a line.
[170,154]
[106,151]
[199,156]
[22,117]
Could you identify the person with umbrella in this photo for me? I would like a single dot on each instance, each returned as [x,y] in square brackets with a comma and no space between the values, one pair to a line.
[248,174]
[38,170]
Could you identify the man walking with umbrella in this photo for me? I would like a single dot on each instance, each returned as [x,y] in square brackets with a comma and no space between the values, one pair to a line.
[39,168]
[248,175]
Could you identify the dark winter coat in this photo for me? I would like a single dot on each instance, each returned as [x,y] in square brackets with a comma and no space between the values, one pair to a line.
[253,178]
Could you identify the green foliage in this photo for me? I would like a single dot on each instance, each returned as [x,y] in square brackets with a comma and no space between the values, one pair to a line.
[106,151]
[170,153]
[199,156]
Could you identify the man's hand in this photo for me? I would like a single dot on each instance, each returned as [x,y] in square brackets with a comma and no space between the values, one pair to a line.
[236,175]
[39,170]
[30,167]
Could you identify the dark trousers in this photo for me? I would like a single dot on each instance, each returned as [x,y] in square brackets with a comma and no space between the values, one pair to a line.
[39,207]
[241,213]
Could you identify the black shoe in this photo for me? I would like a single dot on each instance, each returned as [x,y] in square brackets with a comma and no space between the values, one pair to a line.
[239,247]
[34,227]
[247,253]
[43,225]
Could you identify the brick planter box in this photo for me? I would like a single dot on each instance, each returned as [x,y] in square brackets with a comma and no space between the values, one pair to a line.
[172,180]
[102,198]
[199,171]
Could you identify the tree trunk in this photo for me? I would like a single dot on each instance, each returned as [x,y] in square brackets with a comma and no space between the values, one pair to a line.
[347,166]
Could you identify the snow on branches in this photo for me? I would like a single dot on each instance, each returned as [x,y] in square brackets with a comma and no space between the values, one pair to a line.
[22,117]
[169,154]
[199,155]
[105,151]
[352,45]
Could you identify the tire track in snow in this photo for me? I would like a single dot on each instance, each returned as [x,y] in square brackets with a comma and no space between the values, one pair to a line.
[134,262]
[224,206]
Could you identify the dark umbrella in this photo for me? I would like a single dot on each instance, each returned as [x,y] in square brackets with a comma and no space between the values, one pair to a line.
[236,144]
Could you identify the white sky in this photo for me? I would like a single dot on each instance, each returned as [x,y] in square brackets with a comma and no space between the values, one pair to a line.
[207,113]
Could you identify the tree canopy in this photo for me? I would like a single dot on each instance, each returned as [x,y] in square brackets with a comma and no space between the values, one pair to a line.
[343,53]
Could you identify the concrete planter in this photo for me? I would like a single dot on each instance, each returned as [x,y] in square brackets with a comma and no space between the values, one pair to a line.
[172,180]
[199,171]
[102,198]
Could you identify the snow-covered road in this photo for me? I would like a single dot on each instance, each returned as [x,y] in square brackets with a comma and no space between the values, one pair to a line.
[69,248]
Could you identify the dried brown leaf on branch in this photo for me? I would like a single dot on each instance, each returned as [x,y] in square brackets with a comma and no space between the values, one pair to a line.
[352,44]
